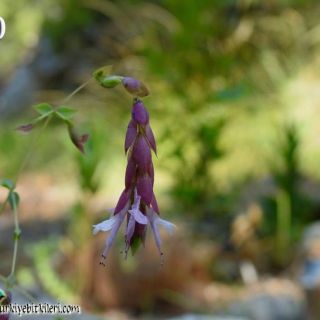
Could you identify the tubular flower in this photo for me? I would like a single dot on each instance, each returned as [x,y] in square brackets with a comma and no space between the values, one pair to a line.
[137,202]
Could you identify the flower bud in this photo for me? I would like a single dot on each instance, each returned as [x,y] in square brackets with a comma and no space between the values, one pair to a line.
[130,135]
[135,87]
[130,172]
[140,113]
[151,172]
[77,140]
[123,200]
[141,153]
[25,127]
[144,188]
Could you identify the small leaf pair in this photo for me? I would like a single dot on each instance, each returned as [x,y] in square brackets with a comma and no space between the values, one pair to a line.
[62,113]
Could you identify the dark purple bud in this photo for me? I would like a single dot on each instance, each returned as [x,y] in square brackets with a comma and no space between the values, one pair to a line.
[151,138]
[154,204]
[130,172]
[140,113]
[151,172]
[25,127]
[144,189]
[141,153]
[135,87]
[123,200]
[130,135]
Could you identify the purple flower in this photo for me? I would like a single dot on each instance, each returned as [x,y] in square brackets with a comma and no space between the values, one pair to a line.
[135,216]
[137,202]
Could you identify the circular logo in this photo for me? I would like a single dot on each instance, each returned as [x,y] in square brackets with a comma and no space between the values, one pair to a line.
[2,28]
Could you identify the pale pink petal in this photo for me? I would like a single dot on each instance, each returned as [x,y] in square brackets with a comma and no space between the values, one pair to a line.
[115,228]
[136,201]
[152,216]
[139,216]
[168,226]
[104,225]
[135,212]
[156,234]
[130,228]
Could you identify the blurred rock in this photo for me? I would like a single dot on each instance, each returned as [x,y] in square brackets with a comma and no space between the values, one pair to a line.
[206,317]
[19,92]
[37,71]
[310,269]
[269,307]
[270,299]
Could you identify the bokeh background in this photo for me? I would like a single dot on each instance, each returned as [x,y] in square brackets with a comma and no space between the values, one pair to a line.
[235,107]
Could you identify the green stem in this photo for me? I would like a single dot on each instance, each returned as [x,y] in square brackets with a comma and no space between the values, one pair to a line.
[283,225]
[17,233]
[31,149]
[75,91]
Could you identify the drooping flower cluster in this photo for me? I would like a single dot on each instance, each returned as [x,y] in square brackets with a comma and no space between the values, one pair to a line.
[137,202]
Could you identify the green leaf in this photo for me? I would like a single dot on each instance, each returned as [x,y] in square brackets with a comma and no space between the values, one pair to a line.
[44,109]
[7,183]
[14,199]
[65,113]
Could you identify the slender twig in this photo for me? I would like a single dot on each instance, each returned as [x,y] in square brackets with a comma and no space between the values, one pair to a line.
[31,150]
[66,99]
[16,234]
